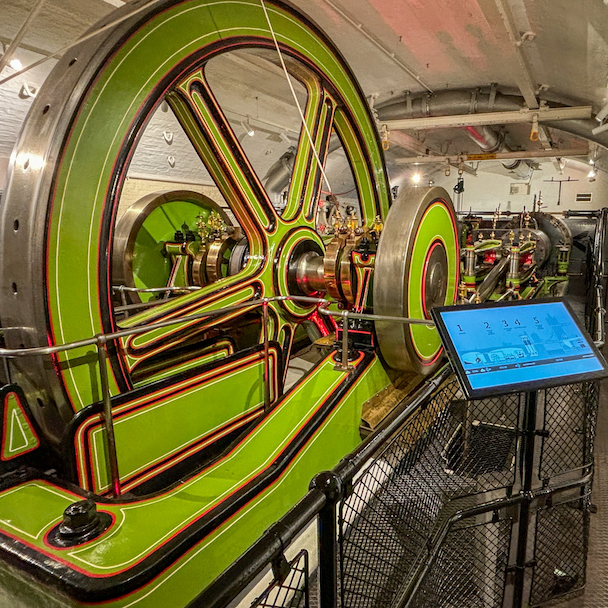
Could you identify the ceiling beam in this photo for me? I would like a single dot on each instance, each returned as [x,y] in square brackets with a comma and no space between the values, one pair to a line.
[490,118]
[26,47]
[523,77]
[544,137]
[516,155]
[407,142]
[507,33]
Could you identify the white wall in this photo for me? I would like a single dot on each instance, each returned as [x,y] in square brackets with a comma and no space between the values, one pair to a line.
[491,187]
[3,170]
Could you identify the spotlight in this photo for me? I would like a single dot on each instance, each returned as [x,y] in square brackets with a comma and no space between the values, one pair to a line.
[15,64]
[600,129]
[416,178]
[592,175]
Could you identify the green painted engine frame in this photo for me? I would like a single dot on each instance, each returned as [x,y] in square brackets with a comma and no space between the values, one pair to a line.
[164,549]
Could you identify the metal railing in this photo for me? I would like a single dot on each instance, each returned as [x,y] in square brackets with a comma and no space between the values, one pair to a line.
[123,290]
[100,342]
[437,507]
[326,489]
[599,259]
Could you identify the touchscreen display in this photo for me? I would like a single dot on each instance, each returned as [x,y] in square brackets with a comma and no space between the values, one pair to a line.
[500,346]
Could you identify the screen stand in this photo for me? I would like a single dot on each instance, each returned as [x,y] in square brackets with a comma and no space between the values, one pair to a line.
[526,473]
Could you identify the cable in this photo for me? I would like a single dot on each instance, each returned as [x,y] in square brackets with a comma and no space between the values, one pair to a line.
[304,125]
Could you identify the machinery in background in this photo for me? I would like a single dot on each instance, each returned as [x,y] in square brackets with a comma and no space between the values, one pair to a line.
[536,255]
[519,256]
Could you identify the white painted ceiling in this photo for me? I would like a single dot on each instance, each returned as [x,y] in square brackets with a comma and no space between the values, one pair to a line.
[551,49]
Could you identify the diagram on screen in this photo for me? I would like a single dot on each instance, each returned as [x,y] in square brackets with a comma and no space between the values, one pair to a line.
[511,339]
[514,346]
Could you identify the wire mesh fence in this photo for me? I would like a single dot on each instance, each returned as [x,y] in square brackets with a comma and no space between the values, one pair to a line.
[290,589]
[462,504]
[451,455]
[570,420]
[562,538]
[438,464]
[475,556]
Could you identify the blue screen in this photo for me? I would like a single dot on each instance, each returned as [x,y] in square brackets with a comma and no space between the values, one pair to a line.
[513,344]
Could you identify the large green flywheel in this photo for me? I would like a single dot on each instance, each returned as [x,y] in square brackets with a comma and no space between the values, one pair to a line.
[59,212]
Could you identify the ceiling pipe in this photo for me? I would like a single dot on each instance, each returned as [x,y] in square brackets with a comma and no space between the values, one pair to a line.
[277,178]
[491,142]
[446,103]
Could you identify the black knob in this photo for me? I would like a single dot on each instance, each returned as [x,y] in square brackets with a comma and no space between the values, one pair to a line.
[79,519]
[81,523]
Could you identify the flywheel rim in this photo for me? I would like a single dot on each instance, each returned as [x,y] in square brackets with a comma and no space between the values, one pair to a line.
[420,231]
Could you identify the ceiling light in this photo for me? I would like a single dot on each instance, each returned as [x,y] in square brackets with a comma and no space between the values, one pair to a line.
[248,128]
[600,129]
[416,178]
[16,64]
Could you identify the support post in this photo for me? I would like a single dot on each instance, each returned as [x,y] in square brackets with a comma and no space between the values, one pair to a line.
[331,485]
[107,415]
[526,472]
[266,357]
[344,366]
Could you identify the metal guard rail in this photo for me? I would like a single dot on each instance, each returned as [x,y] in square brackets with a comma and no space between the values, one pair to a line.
[329,488]
[326,489]
[100,341]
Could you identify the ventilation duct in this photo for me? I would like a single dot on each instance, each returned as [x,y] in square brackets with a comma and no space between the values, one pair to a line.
[278,176]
